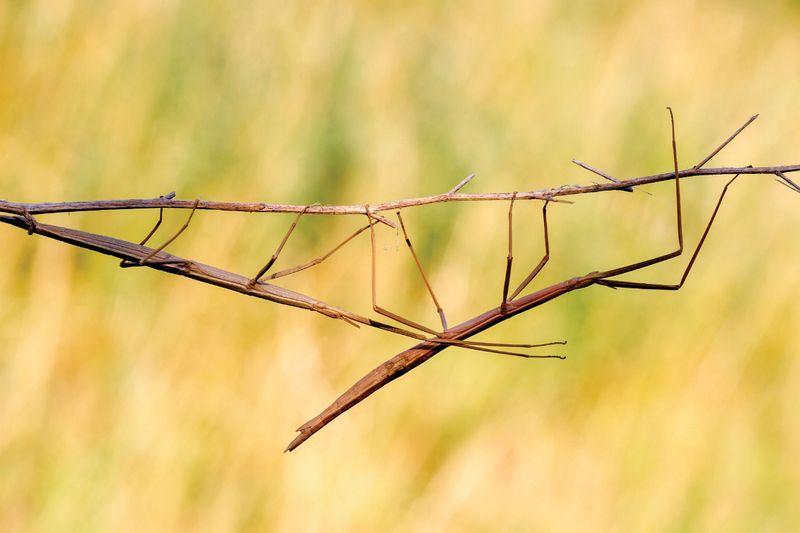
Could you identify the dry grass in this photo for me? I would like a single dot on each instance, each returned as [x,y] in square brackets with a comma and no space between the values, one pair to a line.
[134,401]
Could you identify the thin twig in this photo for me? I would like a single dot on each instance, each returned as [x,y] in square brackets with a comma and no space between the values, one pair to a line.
[725,142]
[552,194]
[461,184]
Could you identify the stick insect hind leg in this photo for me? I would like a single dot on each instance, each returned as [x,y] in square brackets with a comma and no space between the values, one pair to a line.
[438,336]
[602,277]
[622,284]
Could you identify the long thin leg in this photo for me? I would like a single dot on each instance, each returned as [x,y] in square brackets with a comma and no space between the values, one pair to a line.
[679,251]
[675,286]
[474,345]
[787,182]
[319,259]
[171,239]
[155,228]
[422,273]
[169,196]
[274,257]
[470,345]
[378,309]
[542,262]
[126,263]
[510,257]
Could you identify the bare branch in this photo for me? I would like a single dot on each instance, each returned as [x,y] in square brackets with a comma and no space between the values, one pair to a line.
[551,194]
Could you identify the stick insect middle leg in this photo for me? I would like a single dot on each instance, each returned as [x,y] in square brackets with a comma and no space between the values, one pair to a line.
[510,257]
[542,262]
[437,336]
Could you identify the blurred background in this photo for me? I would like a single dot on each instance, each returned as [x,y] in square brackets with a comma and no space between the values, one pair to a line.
[135,401]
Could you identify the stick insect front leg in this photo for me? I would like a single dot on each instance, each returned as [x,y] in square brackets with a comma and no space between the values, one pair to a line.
[275,255]
[126,263]
[147,260]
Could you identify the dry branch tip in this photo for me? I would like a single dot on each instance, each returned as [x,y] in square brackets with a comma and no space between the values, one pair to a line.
[460,185]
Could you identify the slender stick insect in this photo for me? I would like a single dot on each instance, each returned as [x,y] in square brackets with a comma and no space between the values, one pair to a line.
[429,341]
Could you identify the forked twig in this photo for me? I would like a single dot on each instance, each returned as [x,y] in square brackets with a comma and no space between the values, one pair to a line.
[430,342]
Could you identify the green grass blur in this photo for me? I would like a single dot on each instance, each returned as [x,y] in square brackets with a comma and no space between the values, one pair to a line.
[134,401]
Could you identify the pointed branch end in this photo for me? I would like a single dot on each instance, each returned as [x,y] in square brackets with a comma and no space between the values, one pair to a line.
[305,432]
[297,441]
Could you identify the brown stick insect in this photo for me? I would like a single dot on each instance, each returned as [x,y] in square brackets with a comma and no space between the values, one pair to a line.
[430,342]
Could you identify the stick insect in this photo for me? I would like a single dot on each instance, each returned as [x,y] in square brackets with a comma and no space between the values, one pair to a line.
[429,341]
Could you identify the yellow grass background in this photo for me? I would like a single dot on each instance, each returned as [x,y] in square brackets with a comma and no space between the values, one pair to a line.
[134,401]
